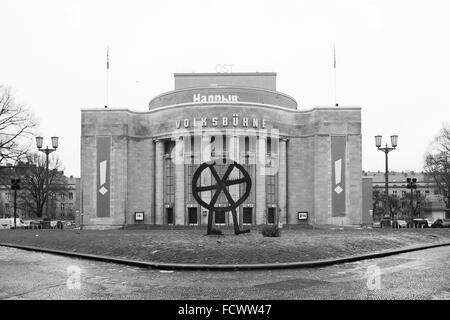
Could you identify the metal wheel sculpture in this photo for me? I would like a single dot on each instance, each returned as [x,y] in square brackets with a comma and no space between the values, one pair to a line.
[221,186]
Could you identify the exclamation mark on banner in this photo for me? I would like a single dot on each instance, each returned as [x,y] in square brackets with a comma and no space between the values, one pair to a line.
[103,190]
[337,175]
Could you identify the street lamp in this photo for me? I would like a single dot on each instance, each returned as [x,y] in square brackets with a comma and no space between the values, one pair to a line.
[411,185]
[386,150]
[47,151]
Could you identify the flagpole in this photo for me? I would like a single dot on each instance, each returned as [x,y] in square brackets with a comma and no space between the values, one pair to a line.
[335,84]
[107,77]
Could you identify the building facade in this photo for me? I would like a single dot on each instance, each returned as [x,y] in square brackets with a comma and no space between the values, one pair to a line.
[64,202]
[305,165]
[433,207]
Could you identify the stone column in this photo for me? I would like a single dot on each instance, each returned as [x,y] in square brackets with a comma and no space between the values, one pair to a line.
[282,182]
[159,182]
[260,183]
[180,206]
[234,190]
[205,156]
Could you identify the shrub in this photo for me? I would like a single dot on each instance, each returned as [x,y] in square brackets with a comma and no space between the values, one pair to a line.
[271,231]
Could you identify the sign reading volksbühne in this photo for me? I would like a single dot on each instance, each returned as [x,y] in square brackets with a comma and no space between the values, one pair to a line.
[234,121]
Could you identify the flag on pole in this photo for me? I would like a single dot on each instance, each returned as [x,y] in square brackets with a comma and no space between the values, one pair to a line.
[334,53]
[334,62]
[107,58]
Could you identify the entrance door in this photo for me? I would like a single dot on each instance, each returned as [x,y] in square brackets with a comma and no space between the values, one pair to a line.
[220,217]
[247,216]
[270,215]
[169,212]
[192,216]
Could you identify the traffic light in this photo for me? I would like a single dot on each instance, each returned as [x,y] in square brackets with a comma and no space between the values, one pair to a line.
[411,183]
[15,184]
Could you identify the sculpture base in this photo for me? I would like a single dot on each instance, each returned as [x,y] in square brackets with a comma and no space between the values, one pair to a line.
[214,232]
[238,232]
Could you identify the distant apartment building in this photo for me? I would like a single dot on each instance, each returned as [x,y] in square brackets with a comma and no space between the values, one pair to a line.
[63,204]
[434,207]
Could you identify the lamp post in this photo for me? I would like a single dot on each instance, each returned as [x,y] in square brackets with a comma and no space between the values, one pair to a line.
[411,185]
[386,150]
[15,185]
[47,151]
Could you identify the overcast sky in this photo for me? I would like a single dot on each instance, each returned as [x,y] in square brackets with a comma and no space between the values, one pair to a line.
[393,60]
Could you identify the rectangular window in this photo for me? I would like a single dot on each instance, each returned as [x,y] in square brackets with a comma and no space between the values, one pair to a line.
[224,144]
[271,196]
[190,170]
[246,144]
[169,174]
[192,215]
[269,146]
[270,215]
[63,206]
[70,196]
[247,216]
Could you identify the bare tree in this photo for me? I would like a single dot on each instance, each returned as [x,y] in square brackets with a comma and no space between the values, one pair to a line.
[35,194]
[437,163]
[398,206]
[16,126]
[379,207]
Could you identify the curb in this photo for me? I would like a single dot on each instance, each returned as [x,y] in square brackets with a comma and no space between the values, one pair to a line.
[229,267]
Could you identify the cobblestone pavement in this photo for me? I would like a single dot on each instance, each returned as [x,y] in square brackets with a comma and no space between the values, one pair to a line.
[415,275]
[192,246]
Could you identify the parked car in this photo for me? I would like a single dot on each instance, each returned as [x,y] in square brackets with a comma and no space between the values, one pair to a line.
[441,223]
[420,223]
[35,224]
[8,223]
[399,223]
[385,223]
[69,224]
[430,223]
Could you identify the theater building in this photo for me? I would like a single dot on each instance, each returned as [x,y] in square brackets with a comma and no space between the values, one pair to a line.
[304,164]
